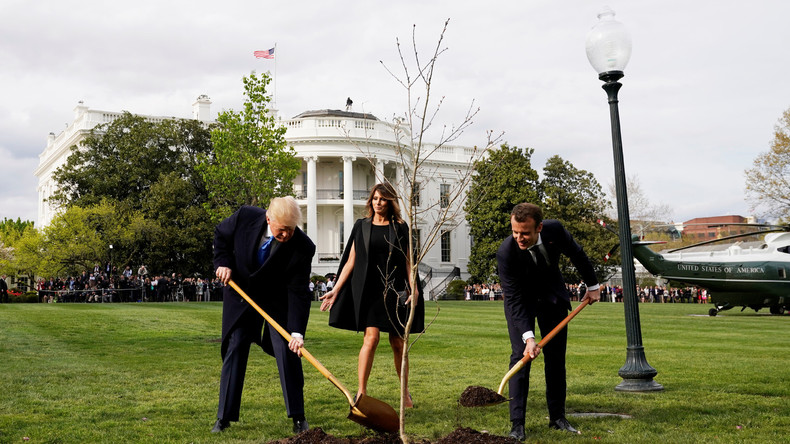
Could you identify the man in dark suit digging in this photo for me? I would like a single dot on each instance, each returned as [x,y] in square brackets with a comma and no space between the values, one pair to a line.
[268,256]
[533,288]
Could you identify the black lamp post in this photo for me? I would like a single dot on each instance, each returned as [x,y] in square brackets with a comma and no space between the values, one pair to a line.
[608,49]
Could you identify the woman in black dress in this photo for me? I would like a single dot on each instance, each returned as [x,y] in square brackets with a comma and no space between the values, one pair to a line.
[374,267]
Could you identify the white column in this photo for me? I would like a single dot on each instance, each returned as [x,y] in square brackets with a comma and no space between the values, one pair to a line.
[402,185]
[348,196]
[312,207]
[379,173]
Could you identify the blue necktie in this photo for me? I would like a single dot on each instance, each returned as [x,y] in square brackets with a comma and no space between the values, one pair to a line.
[263,252]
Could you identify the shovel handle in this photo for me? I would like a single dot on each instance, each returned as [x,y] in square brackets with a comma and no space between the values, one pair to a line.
[520,364]
[307,355]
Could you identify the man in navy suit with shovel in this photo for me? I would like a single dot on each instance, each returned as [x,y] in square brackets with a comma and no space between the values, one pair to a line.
[268,256]
[533,287]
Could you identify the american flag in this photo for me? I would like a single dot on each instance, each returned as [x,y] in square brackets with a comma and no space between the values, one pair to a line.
[268,54]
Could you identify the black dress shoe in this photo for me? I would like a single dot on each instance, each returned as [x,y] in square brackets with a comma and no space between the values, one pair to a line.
[517,432]
[563,424]
[220,425]
[300,425]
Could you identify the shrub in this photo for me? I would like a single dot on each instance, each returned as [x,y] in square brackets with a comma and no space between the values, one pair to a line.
[455,290]
[17,296]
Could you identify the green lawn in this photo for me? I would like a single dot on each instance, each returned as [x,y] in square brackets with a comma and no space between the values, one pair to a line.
[149,373]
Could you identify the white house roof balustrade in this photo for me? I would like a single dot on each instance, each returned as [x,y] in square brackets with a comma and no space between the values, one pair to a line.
[339,125]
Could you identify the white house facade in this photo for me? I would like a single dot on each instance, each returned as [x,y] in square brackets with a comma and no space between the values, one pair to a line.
[343,155]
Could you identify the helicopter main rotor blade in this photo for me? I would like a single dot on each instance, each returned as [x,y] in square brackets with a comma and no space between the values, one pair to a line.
[735,236]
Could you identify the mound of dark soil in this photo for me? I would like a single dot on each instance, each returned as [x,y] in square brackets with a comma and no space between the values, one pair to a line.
[318,436]
[476,396]
[461,435]
[465,435]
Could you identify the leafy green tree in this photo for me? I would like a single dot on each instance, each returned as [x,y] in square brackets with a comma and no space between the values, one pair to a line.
[145,171]
[179,231]
[17,239]
[501,181]
[80,237]
[576,199]
[251,162]
[121,160]
[768,181]
[8,226]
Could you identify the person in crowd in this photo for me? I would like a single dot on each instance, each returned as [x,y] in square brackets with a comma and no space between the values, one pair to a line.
[330,283]
[376,266]
[162,288]
[268,256]
[199,290]
[3,290]
[533,286]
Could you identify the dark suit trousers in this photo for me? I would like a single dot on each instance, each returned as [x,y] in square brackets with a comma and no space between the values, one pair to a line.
[234,367]
[549,315]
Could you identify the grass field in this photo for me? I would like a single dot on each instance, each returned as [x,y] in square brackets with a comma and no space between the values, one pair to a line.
[125,373]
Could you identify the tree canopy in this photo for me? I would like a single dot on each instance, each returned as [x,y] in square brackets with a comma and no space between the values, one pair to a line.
[251,161]
[143,172]
[565,193]
[123,159]
[501,181]
[576,199]
[768,181]
[16,236]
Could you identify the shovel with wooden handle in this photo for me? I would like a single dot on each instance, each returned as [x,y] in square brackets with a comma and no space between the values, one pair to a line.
[520,364]
[364,410]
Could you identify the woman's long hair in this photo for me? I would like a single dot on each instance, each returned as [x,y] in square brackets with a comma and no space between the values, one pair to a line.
[388,193]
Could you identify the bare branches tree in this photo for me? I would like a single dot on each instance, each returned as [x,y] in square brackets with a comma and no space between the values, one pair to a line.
[645,215]
[768,181]
[423,166]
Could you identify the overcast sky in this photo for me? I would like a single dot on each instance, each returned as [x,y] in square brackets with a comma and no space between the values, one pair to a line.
[707,80]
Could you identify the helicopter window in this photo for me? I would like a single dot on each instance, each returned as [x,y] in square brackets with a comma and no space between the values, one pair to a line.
[784,249]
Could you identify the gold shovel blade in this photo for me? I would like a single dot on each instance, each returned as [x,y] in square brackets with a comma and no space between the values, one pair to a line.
[374,414]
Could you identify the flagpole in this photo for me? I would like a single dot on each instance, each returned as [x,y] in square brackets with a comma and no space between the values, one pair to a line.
[275,74]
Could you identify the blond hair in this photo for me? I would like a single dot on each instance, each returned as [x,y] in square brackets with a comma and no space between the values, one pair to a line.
[285,210]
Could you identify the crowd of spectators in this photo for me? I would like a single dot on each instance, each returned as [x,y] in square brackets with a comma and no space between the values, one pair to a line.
[609,293]
[106,284]
[656,294]
[483,292]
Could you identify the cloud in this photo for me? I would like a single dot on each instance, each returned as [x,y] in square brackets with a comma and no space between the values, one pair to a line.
[705,85]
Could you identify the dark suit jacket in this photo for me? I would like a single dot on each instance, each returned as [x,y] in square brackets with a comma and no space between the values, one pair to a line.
[522,285]
[279,287]
[346,311]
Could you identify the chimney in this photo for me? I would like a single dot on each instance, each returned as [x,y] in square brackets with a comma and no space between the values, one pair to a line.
[201,109]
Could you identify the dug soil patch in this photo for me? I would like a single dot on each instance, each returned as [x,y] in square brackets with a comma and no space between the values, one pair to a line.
[476,396]
[461,435]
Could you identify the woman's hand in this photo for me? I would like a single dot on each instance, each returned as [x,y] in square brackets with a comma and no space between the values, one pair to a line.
[411,295]
[328,300]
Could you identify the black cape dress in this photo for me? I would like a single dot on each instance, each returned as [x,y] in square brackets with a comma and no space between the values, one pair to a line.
[363,302]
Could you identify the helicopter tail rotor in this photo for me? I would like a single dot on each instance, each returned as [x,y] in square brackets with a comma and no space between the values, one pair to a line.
[635,241]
